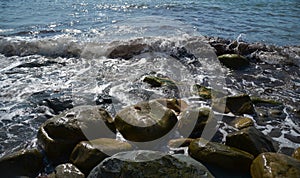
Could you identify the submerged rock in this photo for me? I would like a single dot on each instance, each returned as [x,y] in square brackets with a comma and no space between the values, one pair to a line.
[127,51]
[67,170]
[145,121]
[88,154]
[22,163]
[60,134]
[233,61]
[250,140]
[221,156]
[149,164]
[193,122]
[271,165]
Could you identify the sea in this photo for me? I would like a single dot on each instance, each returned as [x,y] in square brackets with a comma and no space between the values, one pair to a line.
[55,54]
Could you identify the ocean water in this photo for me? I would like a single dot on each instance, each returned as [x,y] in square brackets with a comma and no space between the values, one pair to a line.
[55,54]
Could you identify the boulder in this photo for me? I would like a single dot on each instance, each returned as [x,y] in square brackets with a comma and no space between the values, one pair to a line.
[233,61]
[60,134]
[242,122]
[221,156]
[149,164]
[296,154]
[271,165]
[250,140]
[176,105]
[145,121]
[67,170]
[21,163]
[193,122]
[240,104]
[88,154]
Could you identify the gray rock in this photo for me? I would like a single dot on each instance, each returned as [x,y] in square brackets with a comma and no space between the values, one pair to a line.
[60,134]
[21,163]
[149,164]
[88,154]
[67,170]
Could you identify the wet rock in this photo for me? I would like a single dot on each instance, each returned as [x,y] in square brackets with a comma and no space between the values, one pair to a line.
[221,156]
[159,81]
[275,132]
[264,102]
[180,142]
[296,154]
[149,164]
[145,121]
[127,51]
[67,170]
[233,61]
[293,138]
[240,104]
[88,154]
[242,122]
[176,105]
[251,140]
[21,163]
[193,122]
[60,134]
[37,64]
[275,165]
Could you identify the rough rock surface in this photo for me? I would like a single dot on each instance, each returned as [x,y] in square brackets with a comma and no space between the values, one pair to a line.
[242,122]
[21,163]
[250,140]
[219,155]
[233,61]
[67,170]
[149,164]
[88,154]
[145,121]
[271,165]
[60,134]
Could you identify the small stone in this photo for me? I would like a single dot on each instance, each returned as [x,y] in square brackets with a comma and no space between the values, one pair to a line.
[88,154]
[68,170]
[271,165]
[242,122]
[233,61]
[296,154]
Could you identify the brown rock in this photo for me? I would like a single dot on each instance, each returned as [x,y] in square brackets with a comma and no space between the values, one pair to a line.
[296,154]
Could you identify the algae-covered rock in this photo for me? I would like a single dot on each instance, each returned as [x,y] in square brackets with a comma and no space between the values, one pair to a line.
[296,154]
[264,102]
[193,121]
[21,163]
[271,165]
[240,104]
[67,170]
[160,81]
[145,121]
[219,155]
[60,134]
[250,140]
[88,154]
[242,122]
[233,61]
[149,164]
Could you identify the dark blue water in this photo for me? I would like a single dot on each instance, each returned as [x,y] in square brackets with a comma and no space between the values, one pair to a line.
[269,21]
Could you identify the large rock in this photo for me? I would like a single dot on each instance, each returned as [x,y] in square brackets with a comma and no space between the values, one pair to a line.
[60,134]
[250,140]
[145,121]
[271,165]
[240,104]
[88,154]
[22,163]
[233,61]
[67,170]
[221,156]
[193,122]
[149,164]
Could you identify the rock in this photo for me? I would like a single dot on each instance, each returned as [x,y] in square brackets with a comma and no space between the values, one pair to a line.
[271,165]
[159,81]
[60,134]
[240,104]
[149,164]
[293,138]
[127,51]
[21,163]
[88,154]
[250,140]
[233,61]
[242,122]
[193,122]
[180,142]
[206,93]
[221,156]
[67,170]
[264,102]
[296,154]
[177,105]
[145,121]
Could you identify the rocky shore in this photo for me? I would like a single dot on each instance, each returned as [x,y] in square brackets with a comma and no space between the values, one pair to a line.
[167,137]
